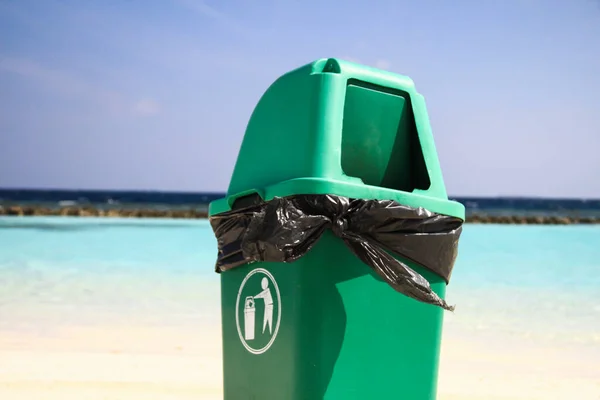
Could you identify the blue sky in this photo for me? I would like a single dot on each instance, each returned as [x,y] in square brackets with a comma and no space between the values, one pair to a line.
[146,94]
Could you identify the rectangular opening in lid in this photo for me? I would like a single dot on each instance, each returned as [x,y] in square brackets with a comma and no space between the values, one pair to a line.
[380,144]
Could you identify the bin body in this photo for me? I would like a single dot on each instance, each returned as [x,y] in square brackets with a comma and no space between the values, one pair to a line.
[326,326]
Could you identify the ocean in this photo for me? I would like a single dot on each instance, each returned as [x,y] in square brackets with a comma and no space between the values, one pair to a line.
[538,281]
[57,271]
[105,199]
[514,287]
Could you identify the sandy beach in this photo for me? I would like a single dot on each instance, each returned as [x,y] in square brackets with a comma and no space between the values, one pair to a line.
[126,362]
[111,363]
[502,368]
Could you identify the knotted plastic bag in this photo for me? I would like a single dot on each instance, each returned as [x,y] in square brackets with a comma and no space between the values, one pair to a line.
[286,228]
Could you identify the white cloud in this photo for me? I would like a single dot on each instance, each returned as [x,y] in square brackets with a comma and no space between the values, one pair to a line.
[351,59]
[52,78]
[382,64]
[61,82]
[203,9]
[146,107]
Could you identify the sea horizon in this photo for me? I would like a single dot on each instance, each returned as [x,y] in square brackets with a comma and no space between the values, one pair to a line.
[220,193]
[475,205]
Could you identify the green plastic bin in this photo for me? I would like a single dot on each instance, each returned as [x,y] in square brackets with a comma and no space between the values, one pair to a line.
[326,326]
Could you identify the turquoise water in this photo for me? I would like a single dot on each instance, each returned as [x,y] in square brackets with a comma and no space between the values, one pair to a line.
[57,272]
[537,282]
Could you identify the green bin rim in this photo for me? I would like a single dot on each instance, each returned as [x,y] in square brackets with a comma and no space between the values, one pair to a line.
[322,186]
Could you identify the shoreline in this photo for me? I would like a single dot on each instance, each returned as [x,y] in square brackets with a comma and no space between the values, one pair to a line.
[199,213]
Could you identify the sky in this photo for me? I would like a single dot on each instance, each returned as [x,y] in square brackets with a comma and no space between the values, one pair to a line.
[156,95]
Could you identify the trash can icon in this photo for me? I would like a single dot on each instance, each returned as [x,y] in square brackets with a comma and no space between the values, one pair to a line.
[249,318]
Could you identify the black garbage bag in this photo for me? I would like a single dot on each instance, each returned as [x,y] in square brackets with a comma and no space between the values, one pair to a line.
[286,228]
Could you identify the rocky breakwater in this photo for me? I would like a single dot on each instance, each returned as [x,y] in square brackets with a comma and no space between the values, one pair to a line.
[86,211]
[531,220]
[191,213]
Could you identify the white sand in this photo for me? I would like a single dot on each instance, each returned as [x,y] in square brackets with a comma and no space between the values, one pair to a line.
[497,368]
[111,363]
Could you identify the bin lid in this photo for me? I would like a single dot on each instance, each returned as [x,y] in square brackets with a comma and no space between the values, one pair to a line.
[335,127]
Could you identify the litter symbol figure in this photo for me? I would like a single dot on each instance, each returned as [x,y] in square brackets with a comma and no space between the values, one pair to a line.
[250,311]
[268,299]
[258,297]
